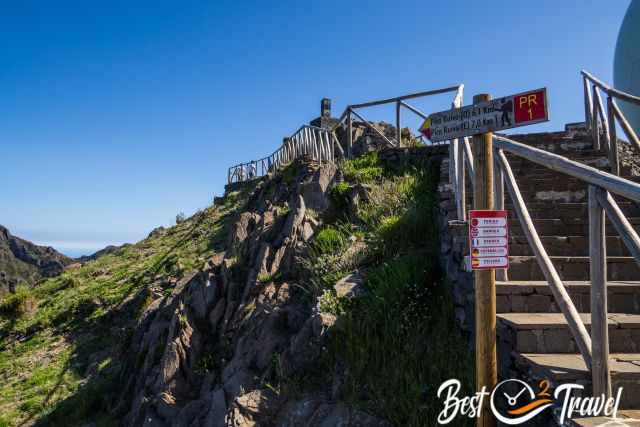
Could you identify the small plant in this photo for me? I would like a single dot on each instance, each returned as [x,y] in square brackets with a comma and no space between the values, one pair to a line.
[18,304]
[331,303]
[180,218]
[339,196]
[329,240]
[268,278]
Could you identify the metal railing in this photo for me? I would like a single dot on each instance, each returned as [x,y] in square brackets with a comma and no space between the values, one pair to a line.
[602,122]
[316,143]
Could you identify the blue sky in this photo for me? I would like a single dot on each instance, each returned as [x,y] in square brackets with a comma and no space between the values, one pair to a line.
[115,116]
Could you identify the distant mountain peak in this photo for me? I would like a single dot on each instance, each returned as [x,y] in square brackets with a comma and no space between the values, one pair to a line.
[24,262]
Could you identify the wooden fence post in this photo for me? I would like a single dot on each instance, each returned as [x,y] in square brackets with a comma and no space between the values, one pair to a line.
[613,137]
[600,373]
[462,194]
[485,280]
[398,133]
[498,189]
[349,135]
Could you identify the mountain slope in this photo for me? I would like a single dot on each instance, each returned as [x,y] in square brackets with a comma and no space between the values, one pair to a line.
[24,262]
[299,299]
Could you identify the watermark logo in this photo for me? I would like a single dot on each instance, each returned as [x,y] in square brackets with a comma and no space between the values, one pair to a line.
[514,402]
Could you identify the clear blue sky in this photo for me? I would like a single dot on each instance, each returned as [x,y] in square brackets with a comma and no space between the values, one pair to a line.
[115,116]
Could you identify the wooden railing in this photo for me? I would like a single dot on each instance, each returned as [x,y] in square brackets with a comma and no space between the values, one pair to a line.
[602,122]
[322,145]
[455,155]
[595,347]
[313,142]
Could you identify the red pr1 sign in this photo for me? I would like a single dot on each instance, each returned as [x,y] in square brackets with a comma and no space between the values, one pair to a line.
[488,239]
[506,112]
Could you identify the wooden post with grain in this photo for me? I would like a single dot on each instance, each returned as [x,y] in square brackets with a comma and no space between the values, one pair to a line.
[485,280]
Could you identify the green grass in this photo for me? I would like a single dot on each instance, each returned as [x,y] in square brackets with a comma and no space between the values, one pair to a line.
[58,361]
[16,305]
[399,340]
[400,343]
[364,169]
[330,240]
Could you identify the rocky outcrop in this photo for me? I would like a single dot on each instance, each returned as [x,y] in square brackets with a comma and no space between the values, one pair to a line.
[24,262]
[219,350]
[111,249]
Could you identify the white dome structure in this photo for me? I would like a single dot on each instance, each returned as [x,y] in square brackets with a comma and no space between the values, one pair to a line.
[626,65]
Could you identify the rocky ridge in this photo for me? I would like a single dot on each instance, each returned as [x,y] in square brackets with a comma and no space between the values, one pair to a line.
[218,350]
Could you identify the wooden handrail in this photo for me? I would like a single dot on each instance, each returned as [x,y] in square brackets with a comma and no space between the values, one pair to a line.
[621,224]
[403,97]
[375,129]
[610,90]
[624,123]
[577,328]
[591,175]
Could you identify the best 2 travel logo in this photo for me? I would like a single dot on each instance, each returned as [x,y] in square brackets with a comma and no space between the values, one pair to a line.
[514,402]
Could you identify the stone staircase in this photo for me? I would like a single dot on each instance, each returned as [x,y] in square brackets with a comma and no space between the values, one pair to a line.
[534,341]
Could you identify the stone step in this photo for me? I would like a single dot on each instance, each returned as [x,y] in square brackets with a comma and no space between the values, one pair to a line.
[562,210]
[536,297]
[570,368]
[554,209]
[565,226]
[625,418]
[572,268]
[565,245]
[549,333]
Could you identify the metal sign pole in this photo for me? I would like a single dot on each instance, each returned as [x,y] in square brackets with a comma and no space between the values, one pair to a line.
[485,280]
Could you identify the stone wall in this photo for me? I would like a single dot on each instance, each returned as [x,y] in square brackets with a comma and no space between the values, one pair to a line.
[454,246]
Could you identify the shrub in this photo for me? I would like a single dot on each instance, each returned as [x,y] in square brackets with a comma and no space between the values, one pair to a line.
[329,240]
[363,169]
[17,304]
[180,218]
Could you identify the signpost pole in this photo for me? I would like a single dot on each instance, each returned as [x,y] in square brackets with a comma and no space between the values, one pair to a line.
[485,280]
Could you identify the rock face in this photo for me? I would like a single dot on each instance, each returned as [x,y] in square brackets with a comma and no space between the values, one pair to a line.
[217,351]
[23,262]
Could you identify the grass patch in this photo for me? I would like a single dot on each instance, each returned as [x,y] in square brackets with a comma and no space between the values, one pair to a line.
[400,343]
[400,340]
[16,305]
[329,240]
[364,169]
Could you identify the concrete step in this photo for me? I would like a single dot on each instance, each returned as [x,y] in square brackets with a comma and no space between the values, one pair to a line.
[548,332]
[572,268]
[536,297]
[565,245]
[570,368]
